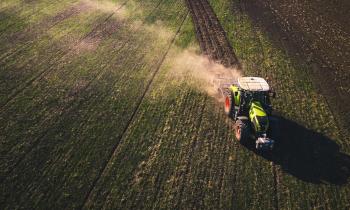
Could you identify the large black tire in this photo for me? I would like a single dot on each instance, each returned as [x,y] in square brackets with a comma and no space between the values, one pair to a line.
[241,131]
[229,105]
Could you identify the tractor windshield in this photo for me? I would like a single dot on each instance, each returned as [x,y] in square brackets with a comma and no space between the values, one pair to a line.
[261,96]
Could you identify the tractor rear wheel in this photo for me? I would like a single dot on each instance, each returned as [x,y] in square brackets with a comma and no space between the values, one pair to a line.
[241,131]
[229,105]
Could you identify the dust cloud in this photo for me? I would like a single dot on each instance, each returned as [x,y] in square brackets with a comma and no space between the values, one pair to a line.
[186,65]
[201,71]
[107,7]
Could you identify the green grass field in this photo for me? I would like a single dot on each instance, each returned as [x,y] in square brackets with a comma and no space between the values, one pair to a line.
[96,114]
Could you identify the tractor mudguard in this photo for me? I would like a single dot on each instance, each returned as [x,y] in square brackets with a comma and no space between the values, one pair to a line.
[236,94]
[258,117]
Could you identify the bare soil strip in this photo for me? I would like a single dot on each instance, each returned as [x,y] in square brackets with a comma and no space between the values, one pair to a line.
[210,34]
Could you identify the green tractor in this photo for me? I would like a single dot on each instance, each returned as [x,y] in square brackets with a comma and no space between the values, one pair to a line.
[247,102]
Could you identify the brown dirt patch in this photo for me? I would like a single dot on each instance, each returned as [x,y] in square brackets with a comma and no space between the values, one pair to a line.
[210,34]
[313,33]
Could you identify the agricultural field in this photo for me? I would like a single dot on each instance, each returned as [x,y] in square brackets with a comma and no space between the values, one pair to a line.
[316,34]
[108,104]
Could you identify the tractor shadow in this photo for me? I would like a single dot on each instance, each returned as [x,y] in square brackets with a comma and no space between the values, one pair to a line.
[307,155]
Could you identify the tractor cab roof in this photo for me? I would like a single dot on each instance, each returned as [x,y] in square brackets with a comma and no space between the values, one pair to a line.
[253,84]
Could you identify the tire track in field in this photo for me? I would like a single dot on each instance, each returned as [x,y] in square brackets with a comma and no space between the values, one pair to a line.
[213,42]
[35,32]
[274,168]
[35,11]
[220,137]
[275,185]
[82,101]
[158,164]
[228,185]
[186,127]
[188,159]
[67,110]
[95,32]
[38,29]
[210,34]
[185,109]
[183,122]
[128,124]
[121,136]
[203,163]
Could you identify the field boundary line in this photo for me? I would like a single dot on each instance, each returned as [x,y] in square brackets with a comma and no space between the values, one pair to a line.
[121,137]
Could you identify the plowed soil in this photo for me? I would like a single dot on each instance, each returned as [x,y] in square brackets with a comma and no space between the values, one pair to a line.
[315,33]
[211,36]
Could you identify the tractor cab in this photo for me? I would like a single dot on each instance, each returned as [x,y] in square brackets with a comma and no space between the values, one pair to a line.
[252,90]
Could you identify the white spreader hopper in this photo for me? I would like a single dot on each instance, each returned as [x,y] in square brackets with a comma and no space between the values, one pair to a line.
[253,84]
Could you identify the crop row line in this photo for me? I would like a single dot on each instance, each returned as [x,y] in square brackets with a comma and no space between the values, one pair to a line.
[222,137]
[69,109]
[68,105]
[121,78]
[133,68]
[107,92]
[187,110]
[35,11]
[184,107]
[275,186]
[189,154]
[39,30]
[64,53]
[276,182]
[134,113]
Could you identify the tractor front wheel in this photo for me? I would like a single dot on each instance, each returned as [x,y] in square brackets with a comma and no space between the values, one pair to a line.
[241,131]
[229,106]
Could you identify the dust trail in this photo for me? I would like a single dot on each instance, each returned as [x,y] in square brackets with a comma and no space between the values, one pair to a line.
[199,70]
